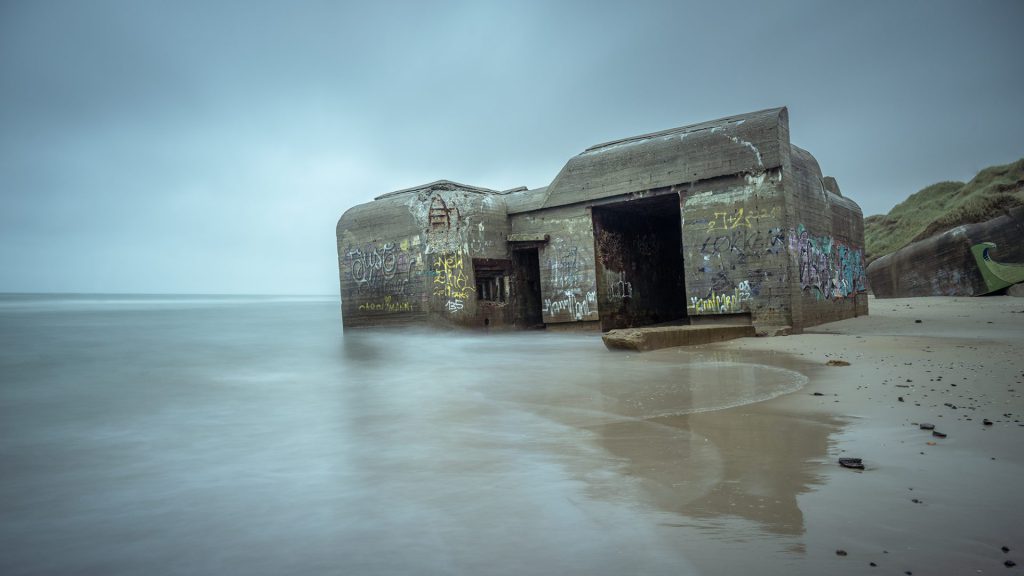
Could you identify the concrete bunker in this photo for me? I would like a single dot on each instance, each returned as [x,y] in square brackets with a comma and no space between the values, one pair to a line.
[721,221]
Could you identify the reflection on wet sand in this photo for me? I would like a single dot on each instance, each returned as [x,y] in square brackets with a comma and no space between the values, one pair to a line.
[680,430]
[692,437]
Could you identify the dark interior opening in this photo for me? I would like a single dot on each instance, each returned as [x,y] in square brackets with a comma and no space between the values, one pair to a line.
[640,278]
[492,284]
[526,296]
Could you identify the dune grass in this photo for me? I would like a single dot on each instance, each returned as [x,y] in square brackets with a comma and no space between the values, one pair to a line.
[945,205]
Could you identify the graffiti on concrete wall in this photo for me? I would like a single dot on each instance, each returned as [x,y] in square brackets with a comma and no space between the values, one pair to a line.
[619,288]
[383,268]
[740,217]
[724,247]
[776,242]
[387,304]
[579,307]
[569,291]
[722,302]
[564,268]
[828,268]
[450,280]
[733,250]
[743,244]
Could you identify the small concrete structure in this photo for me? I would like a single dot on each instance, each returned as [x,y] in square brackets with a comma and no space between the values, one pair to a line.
[718,222]
[969,260]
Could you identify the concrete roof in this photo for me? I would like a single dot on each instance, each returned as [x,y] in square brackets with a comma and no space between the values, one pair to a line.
[526,200]
[440,185]
[747,143]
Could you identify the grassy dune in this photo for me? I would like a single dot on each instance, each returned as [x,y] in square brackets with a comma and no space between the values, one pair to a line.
[945,205]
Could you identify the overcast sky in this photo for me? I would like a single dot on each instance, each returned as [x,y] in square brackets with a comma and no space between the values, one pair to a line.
[210,147]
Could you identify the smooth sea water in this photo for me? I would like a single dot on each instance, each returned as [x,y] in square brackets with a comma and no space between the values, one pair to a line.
[251,435]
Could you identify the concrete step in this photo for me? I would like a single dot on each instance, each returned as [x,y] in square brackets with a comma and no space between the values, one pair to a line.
[655,337]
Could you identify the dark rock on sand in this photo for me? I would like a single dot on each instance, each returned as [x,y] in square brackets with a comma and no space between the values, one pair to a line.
[854,463]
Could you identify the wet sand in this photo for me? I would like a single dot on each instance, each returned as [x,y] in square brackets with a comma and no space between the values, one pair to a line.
[924,504]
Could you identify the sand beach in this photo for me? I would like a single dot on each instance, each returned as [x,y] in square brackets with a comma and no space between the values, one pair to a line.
[924,504]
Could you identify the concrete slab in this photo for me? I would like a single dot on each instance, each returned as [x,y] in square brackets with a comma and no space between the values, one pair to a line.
[655,337]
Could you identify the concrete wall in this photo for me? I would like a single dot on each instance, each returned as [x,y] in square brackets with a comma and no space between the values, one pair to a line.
[735,249]
[382,265]
[567,275]
[825,237]
[409,258]
[943,265]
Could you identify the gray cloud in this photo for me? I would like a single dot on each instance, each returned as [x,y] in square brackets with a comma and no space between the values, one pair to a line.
[210,147]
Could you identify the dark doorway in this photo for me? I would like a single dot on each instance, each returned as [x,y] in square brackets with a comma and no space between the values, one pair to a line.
[492,291]
[526,299]
[640,279]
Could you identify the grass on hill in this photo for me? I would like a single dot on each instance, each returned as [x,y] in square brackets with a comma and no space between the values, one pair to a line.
[945,205]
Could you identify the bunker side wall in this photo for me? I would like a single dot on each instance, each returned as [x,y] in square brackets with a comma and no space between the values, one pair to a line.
[409,259]
[734,249]
[825,239]
[567,277]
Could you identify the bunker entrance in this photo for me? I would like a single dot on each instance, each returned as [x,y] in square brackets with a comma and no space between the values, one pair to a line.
[639,266]
[526,297]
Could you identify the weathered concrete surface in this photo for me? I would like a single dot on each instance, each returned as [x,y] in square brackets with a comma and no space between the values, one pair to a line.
[951,263]
[725,218]
[741,144]
[656,337]
[1016,290]
[434,254]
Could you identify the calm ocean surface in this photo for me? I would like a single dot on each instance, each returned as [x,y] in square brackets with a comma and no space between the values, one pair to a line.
[249,435]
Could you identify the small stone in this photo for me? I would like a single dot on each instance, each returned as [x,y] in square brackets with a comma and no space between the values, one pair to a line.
[853,463]
[900,398]
[1005,549]
[818,394]
[840,552]
[986,422]
[927,426]
[917,321]
[938,434]
[916,501]
[1009,563]
[837,363]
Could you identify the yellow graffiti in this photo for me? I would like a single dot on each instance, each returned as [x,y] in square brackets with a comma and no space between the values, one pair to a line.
[722,303]
[385,305]
[450,278]
[739,218]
